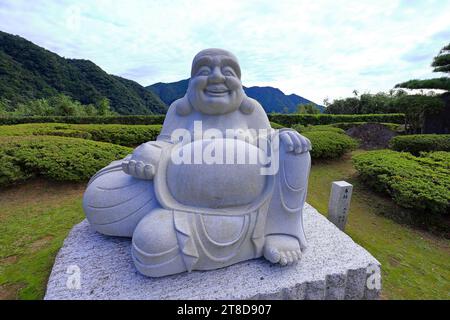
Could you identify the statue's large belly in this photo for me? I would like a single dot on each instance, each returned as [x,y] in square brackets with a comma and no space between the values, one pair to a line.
[221,184]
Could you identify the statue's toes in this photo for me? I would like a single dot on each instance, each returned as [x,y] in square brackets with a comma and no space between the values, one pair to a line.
[299,254]
[283,259]
[296,255]
[272,254]
[288,257]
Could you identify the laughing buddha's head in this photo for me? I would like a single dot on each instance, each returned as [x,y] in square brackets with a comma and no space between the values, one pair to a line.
[215,86]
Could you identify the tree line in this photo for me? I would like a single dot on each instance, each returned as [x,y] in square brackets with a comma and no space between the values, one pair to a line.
[58,105]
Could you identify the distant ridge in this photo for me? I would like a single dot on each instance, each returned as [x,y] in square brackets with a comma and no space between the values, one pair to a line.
[28,71]
[272,99]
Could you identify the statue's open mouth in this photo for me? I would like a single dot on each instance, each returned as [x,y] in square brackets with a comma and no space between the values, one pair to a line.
[217,92]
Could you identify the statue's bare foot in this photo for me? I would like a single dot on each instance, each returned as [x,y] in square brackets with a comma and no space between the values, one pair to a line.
[282,249]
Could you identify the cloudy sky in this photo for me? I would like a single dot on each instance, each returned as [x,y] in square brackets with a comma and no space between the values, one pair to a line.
[316,49]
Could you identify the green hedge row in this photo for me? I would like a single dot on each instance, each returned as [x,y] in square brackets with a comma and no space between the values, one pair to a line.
[325,146]
[56,158]
[329,144]
[147,119]
[320,119]
[417,143]
[282,119]
[347,125]
[125,135]
[323,127]
[420,183]
[275,125]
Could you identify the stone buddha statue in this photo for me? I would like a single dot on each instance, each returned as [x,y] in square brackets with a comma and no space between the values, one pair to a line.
[192,200]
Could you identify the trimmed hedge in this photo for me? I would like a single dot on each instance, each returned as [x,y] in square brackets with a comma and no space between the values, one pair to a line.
[275,125]
[420,183]
[126,135]
[137,119]
[326,127]
[316,119]
[282,119]
[391,126]
[417,143]
[329,144]
[56,158]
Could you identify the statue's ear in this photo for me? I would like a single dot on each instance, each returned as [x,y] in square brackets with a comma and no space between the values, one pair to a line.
[183,107]
[246,106]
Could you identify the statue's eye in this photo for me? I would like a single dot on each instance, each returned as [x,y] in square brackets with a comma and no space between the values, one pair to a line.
[204,71]
[228,72]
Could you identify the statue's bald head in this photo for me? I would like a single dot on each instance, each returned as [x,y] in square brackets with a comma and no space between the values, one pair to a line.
[215,86]
[226,56]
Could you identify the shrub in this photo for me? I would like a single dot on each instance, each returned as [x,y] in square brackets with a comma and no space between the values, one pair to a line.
[289,120]
[285,120]
[126,135]
[328,144]
[371,135]
[57,158]
[326,127]
[417,143]
[275,125]
[399,128]
[137,119]
[421,183]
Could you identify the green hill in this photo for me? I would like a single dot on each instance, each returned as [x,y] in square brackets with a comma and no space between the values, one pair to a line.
[28,71]
[272,99]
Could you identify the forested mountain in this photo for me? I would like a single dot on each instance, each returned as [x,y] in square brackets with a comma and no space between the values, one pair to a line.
[28,71]
[272,99]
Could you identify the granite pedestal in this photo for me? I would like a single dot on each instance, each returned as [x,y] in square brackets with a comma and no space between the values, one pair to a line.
[332,267]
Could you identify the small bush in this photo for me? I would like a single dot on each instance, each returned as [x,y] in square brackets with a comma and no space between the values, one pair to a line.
[57,158]
[399,128]
[327,127]
[289,120]
[371,135]
[417,143]
[328,144]
[136,119]
[275,125]
[420,183]
[126,135]
[286,120]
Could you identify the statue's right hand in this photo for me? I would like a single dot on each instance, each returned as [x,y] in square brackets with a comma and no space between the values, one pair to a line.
[138,169]
[142,164]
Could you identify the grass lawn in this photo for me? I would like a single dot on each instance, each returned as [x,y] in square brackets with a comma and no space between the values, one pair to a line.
[415,264]
[34,221]
[36,217]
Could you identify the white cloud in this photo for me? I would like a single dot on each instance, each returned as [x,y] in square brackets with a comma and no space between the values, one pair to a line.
[316,49]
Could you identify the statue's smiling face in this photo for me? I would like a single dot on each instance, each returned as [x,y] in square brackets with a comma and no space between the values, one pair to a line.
[215,87]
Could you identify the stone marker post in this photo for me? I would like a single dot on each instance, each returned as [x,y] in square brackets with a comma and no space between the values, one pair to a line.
[338,207]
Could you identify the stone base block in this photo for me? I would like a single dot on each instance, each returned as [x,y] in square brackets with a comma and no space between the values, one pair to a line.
[93,266]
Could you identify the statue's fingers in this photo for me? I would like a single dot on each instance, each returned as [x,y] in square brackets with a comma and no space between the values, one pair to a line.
[304,147]
[125,167]
[132,167]
[307,144]
[149,171]
[140,169]
[297,142]
[287,141]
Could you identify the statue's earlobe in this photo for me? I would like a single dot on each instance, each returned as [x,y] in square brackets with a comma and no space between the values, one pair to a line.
[184,107]
[246,106]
